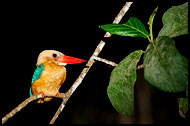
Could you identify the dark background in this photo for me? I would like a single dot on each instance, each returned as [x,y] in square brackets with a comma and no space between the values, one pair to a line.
[72,28]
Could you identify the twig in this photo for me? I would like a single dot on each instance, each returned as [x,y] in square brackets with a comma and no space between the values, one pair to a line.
[105,61]
[90,63]
[113,63]
[24,103]
[181,113]
[140,66]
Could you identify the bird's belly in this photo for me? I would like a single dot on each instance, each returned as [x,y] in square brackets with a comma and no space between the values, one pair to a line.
[50,81]
[48,87]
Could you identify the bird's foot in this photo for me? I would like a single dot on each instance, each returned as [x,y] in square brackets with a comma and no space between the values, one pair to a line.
[58,93]
[40,101]
[42,94]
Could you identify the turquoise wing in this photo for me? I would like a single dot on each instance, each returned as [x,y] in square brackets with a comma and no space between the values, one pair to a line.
[36,75]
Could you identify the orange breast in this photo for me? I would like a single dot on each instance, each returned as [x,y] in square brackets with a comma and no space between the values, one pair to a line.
[50,79]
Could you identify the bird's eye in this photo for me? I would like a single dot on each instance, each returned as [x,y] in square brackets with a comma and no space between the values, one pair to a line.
[54,55]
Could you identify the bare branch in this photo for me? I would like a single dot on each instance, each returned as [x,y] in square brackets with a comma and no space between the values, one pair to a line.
[90,62]
[19,107]
[181,113]
[105,61]
[25,102]
[140,66]
[113,63]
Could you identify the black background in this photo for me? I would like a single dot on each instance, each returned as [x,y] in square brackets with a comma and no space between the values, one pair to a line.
[72,28]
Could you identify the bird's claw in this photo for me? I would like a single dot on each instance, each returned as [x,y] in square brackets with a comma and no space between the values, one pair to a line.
[58,93]
[42,94]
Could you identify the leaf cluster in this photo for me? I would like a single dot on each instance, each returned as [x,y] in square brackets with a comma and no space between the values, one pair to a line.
[164,67]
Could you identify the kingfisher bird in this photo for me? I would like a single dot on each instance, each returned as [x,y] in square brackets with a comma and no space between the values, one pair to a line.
[50,73]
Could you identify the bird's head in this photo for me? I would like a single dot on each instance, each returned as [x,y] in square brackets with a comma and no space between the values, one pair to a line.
[57,57]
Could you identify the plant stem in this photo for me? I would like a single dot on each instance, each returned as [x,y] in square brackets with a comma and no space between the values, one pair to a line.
[151,38]
[160,58]
[150,22]
[151,34]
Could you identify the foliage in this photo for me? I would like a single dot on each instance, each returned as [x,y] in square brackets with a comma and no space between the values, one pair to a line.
[133,28]
[175,21]
[121,86]
[170,75]
[164,67]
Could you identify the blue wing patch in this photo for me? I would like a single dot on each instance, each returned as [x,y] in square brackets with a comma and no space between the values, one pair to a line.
[36,75]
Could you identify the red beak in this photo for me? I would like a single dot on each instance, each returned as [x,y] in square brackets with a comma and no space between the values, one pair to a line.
[70,60]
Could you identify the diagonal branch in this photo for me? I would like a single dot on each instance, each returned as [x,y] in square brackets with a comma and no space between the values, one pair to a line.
[25,102]
[19,107]
[90,63]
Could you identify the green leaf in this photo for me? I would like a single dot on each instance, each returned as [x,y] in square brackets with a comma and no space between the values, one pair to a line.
[133,28]
[121,86]
[170,75]
[183,103]
[150,22]
[175,21]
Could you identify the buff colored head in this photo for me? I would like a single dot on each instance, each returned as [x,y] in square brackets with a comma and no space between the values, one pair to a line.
[57,57]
